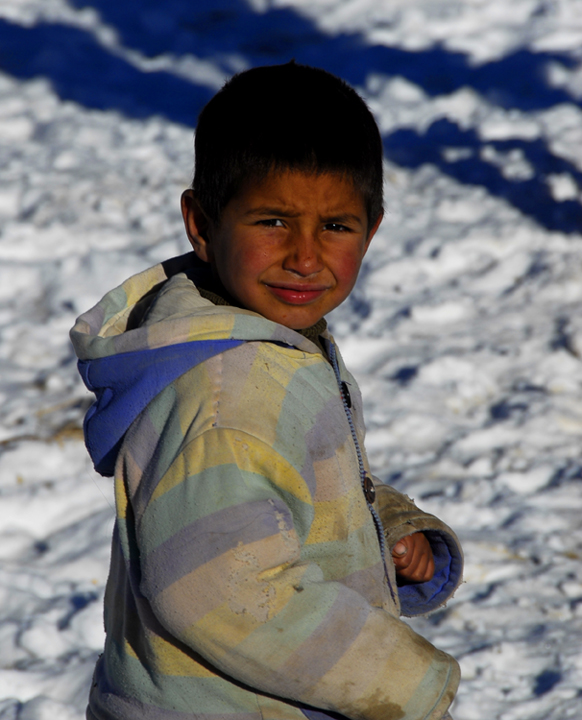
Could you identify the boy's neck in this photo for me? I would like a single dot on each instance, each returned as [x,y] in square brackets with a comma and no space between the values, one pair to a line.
[218,295]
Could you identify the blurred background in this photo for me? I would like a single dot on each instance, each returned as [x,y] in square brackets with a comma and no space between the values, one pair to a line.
[464,330]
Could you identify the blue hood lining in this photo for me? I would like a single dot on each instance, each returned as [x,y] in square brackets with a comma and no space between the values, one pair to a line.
[126,383]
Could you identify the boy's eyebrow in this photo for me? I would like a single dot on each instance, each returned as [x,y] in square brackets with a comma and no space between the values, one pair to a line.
[343,218]
[281,212]
[264,210]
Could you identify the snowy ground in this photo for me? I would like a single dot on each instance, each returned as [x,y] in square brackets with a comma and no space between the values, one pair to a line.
[464,329]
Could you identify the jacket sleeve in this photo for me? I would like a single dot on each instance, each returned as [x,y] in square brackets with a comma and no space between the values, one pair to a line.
[400,517]
[227,577]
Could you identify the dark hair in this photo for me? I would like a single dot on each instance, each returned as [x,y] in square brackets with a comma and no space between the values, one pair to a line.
[283,117]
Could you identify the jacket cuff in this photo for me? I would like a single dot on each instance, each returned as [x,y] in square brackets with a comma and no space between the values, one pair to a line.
[400,517]
[421,598]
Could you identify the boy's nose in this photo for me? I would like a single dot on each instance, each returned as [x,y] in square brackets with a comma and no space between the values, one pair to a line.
[303,255]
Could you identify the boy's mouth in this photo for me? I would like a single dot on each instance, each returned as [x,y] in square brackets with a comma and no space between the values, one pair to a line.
[296,294]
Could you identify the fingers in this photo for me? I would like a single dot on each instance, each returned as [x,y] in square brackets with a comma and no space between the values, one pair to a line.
[413,558]
[423,571]
[400,550]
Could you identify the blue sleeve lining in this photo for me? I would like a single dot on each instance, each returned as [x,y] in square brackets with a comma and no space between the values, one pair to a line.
[314,714]
[421,598]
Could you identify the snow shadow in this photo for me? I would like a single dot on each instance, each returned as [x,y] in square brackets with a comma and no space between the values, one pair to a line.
[231,34]
[82,70]
[464,156]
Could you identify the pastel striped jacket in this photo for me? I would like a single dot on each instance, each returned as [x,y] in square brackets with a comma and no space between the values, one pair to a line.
[247,580]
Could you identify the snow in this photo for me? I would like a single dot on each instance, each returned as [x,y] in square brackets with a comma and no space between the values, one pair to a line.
[464,329]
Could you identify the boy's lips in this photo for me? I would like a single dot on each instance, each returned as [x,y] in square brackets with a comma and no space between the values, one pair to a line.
[297,294]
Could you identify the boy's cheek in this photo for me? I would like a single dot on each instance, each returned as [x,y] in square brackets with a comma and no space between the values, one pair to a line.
[347,270]
[247,258]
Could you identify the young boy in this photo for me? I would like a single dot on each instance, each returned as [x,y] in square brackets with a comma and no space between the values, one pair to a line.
[256,572]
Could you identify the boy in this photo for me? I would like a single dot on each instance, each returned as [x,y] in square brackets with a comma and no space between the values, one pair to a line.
[256,572]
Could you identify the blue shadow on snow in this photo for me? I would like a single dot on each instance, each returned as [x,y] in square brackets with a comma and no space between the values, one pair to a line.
[82,70]
[532,196]
[219,28]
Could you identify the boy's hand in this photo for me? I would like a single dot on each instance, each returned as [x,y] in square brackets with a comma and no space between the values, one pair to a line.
[413,558]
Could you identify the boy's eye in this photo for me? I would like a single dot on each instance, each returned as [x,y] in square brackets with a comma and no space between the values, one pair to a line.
[271,222]
[337,227]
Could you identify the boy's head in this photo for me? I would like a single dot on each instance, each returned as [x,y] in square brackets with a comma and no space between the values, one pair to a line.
[285,117]
[287,191]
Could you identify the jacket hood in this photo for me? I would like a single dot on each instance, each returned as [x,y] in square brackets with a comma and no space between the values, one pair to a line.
[146,333]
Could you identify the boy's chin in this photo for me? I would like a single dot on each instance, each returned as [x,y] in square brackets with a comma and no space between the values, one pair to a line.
[294,320]
[298,316]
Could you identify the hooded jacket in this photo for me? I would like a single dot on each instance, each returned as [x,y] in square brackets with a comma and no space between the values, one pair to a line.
[248,579]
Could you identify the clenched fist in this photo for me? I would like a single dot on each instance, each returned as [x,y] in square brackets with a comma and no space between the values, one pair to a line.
[413,558]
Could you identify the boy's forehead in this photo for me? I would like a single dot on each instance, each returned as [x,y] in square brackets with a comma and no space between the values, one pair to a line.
[287,186]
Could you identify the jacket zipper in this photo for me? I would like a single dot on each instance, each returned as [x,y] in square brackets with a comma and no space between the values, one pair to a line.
[364,478]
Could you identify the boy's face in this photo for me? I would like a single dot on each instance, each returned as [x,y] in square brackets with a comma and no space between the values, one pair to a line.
[288,248]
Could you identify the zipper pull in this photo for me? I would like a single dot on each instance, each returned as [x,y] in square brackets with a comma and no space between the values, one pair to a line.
[369,489]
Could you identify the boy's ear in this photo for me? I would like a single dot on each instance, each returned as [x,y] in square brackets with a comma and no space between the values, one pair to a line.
[197,225]
[373,229]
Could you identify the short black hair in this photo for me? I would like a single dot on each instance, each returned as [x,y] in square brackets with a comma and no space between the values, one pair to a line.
[285,117]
